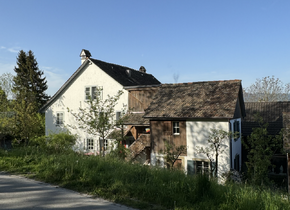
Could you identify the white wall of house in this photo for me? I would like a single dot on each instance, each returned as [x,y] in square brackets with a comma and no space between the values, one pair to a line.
[197,133]
[74,98]
[157,159]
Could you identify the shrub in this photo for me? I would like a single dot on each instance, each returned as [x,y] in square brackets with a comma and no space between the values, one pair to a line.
[56,142]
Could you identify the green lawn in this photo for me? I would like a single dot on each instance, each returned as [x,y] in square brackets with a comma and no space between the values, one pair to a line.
[138,186]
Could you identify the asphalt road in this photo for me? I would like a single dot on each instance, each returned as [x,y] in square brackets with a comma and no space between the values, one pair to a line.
[17,192]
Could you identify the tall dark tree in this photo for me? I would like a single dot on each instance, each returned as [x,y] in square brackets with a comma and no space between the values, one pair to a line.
[29,83]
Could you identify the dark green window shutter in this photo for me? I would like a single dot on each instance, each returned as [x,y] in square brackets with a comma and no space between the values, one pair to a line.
[190,167]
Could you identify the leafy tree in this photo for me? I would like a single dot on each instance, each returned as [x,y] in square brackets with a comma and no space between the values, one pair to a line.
[96,118]
[3,101]
[172,153]
[261,147]
[6,116]
[6,83]
[216,141]
[29,123]
[29,82]
[267,89]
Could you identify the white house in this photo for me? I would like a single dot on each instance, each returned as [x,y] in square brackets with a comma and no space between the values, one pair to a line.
[183,114]
[92,74]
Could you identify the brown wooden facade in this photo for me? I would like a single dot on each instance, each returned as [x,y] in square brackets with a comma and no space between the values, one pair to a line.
[140,98]
[162,131]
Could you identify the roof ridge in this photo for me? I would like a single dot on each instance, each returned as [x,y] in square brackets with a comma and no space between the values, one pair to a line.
[189,83]
[119,65]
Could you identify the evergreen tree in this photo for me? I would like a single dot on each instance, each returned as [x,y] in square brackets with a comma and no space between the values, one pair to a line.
[29,83]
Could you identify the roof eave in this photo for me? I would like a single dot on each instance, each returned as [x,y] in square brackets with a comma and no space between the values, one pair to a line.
[63,87]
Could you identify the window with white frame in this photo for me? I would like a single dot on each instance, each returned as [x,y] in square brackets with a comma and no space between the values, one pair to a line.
[90,144]
[59,118]
[175,126]
[106,144]
[103,144]
[118,117]
[92,91]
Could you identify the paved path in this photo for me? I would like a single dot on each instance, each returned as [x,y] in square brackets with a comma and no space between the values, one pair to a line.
[17,192]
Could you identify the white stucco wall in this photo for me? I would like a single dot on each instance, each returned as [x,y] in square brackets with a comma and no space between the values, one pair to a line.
[197,133]
[74,98]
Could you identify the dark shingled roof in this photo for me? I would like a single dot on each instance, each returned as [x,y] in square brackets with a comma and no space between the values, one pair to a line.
[213,99]
[271,112]
[126,76]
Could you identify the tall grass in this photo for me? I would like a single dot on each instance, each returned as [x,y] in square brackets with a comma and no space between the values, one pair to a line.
[131,183]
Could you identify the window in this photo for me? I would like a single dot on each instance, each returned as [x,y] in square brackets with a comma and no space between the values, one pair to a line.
[59,118]
[90,144]
[106,144]
[198,167]
[103,144]
[91,92]
[118,116]
[175,128]
[237,128]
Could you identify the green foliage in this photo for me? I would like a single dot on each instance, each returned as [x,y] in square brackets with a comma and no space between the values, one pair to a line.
[55,142]
[172,153]
[29,88]
[132,184]
[7,116]
[28,123]
[96,118]
[261,147]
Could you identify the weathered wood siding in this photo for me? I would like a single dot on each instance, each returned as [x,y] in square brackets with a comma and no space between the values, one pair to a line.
[140,98]
[162,131]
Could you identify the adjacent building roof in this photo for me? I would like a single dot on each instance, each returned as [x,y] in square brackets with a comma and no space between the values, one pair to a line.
[271,113]
[213,99]
[123,75]
[136,119]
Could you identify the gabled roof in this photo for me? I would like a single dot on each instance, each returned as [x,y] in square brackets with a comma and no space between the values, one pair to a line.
[271,113]
[213,99]
[126,76]
[123,75]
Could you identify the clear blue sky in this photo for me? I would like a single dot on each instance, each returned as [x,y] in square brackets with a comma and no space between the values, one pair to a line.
[197,40]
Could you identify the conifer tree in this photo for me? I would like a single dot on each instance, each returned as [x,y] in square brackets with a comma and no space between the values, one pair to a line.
[29,88]
[29,83]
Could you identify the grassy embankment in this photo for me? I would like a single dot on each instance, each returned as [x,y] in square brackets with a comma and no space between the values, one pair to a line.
[138,186]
